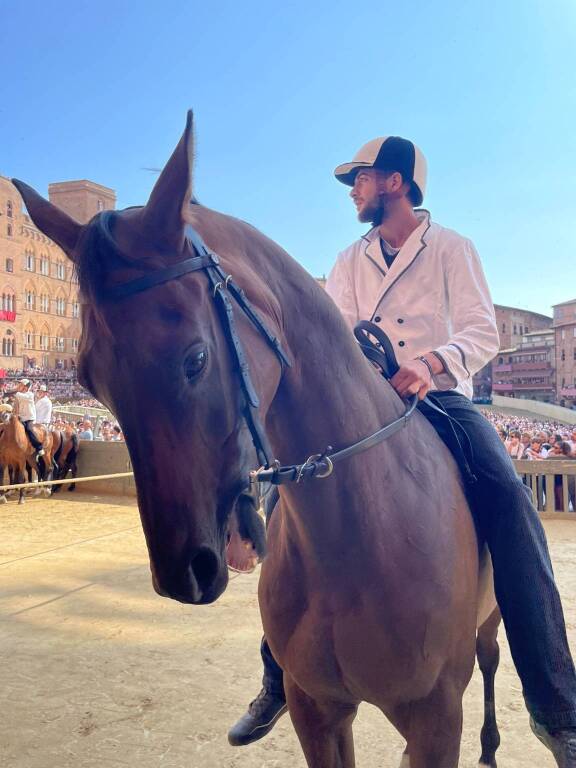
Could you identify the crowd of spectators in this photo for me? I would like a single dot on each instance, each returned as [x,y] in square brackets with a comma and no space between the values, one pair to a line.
[533,440]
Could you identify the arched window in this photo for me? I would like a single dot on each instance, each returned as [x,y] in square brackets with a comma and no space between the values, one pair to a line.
[9,265]
[45,338]
[45,299]
[60,270]
[60,341]
[9,209]
[9,230]
[74,345]
[29,261]
[30,299]
[75,309]
[29,337]
[44,265]
[8,300]
[8,344]
[60,305]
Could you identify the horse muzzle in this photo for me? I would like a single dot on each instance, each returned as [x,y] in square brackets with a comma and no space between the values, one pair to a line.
[199,581]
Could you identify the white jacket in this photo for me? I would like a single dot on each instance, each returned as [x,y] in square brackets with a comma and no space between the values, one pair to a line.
[434,297]
[44,410]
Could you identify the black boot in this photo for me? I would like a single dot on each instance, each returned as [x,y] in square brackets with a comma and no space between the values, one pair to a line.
[561,742]
[263,714]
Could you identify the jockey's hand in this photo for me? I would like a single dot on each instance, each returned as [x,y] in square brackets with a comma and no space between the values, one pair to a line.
[413,378]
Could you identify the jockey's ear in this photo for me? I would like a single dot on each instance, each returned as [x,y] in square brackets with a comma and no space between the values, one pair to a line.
[163,213]
[50,219]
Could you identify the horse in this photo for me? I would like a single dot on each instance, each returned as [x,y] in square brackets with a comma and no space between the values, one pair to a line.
[66,447]
[17,454]
[374,582]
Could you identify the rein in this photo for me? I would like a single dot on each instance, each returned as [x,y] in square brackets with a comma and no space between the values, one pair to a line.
[224,289]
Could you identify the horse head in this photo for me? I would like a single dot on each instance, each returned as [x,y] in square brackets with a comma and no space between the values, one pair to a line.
[159,360]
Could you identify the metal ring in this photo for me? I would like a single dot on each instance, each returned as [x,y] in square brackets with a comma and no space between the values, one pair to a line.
[217,287]
[228,278]
[329,468]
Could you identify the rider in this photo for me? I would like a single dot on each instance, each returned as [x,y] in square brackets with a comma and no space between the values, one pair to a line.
[424,286]
[43,407]
[27,413]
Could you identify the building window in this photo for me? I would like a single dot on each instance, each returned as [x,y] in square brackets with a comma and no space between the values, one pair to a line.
[60,343]
[44,265]
[574,331]
[574,353]
[30,300]
[9,230]
[563,355]
[45,303]
[10,266]
[9,209]
[8,345]
[75,309]
[60,306]
[61,270]
[29,262]
[503,327]
[44,342]
[8,302]
[29,338]
[563,334]
[100,205]
[75,345]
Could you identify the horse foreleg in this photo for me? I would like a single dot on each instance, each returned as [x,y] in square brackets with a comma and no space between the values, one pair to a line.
[74,469]
[488,654]
[324,729]
[20,475]
[436,726]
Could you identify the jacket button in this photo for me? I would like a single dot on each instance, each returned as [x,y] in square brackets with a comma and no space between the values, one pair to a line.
[377,319]
[401,343]
[400,320]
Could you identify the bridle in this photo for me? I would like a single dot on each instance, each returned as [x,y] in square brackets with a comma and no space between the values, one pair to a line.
[224,290]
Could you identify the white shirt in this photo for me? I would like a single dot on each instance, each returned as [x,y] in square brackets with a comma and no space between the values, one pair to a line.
[434,297]
[26,406]
[44,410]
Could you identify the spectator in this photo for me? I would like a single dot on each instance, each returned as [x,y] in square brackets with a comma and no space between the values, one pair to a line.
[85,432]
[117,433]
[515,448]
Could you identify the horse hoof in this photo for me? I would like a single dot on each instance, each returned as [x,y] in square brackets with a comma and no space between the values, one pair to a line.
[3,500]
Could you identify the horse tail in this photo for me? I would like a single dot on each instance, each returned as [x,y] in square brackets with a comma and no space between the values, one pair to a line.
[60,448]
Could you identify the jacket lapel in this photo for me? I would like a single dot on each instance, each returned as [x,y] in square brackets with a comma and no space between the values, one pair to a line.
[410,251]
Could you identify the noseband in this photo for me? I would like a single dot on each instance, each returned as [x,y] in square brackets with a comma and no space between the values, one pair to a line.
[223,290]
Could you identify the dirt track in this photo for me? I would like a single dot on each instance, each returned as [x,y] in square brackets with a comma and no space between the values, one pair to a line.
[97,671]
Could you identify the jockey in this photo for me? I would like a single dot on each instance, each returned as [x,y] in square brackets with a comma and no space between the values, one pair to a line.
[27,413]
[43,407]
[423,285]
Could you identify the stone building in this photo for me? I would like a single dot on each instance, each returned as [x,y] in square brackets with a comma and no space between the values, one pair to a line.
[527,370]
[565,338]
[39,310]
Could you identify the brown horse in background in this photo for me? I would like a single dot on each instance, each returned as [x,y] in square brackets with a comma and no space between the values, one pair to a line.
[66,447]
[372,587]
[17,454]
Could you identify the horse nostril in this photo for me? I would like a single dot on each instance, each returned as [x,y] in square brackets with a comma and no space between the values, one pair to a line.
[205,566]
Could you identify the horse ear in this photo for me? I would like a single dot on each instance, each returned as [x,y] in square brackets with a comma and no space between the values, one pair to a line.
[50,219]
[163,213]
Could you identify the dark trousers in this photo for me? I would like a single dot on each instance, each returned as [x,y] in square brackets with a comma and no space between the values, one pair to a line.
[525,588]
[36,444]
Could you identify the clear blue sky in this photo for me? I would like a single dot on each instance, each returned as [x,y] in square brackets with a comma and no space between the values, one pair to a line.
[282,93]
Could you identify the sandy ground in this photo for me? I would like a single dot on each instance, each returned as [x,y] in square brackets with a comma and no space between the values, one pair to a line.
[96,671]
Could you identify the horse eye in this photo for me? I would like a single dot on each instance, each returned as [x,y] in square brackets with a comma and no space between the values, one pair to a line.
[194,364]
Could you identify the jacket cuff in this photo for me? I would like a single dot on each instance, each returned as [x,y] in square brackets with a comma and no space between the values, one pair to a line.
[445,380]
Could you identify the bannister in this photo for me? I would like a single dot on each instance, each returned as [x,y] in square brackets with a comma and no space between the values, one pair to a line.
[553,484]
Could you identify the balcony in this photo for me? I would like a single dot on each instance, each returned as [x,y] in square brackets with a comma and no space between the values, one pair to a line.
[502,368]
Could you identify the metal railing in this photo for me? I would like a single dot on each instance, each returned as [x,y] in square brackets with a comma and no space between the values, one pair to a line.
[552,482]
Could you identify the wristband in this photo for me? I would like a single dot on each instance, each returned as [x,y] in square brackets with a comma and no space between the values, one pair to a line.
[427,364]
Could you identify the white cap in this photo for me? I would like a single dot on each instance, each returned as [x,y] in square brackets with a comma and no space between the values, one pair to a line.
[389,153]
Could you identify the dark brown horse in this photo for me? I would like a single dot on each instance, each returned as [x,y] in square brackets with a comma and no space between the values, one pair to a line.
[371,590]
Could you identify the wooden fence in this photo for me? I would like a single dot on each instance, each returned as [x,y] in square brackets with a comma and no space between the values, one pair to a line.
[553,485]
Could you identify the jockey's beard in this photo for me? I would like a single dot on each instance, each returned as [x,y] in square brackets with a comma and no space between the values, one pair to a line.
[375,212]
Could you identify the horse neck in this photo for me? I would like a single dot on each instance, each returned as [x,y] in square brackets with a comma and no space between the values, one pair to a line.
[331,396]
